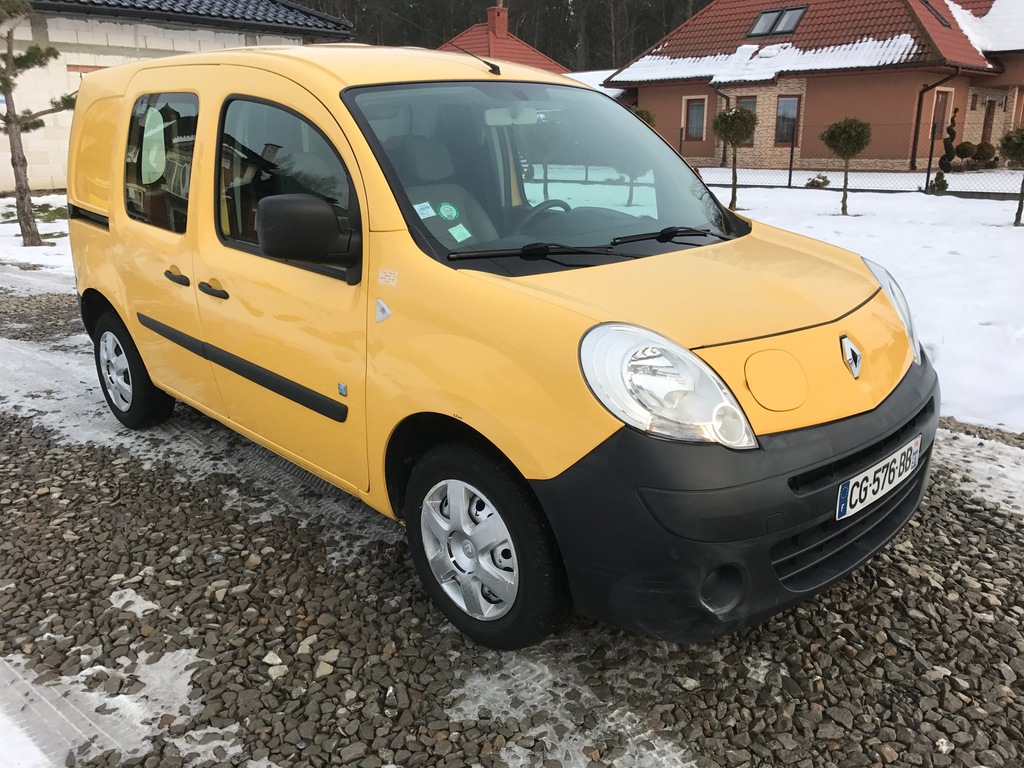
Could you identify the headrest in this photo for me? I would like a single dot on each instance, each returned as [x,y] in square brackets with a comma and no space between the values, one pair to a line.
[419,160]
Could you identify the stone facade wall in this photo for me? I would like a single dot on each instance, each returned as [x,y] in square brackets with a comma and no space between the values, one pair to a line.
[87,45]
[1003,119]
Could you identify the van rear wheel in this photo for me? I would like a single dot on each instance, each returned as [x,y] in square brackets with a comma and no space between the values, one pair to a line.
[125,382]
[482,548]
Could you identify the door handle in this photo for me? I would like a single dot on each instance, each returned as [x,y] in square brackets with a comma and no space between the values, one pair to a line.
[176,277]
[206,288]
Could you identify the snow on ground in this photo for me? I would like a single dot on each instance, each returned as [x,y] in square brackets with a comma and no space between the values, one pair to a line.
[957,260]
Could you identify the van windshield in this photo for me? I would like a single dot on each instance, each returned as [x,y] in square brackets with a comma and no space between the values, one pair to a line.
[560,176]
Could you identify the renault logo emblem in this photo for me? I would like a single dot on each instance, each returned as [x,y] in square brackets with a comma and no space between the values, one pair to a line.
[851,355]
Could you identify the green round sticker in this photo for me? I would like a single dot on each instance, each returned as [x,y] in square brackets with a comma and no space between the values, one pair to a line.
[447,211]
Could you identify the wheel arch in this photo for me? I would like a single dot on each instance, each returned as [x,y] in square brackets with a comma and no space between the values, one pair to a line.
[94,305]
[417,434]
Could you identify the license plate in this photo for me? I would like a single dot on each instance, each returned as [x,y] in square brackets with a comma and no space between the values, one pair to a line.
[862,491]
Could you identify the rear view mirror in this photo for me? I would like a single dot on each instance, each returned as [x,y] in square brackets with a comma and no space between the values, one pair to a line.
[304,228]
[499,116]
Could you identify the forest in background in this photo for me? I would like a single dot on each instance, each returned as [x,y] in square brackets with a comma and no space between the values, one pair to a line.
[581,34]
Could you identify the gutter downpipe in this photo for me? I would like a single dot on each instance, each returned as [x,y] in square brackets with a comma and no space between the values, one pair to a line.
[725,147]
[920,109]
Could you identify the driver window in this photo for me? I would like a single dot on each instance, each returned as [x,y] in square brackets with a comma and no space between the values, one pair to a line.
[268,150]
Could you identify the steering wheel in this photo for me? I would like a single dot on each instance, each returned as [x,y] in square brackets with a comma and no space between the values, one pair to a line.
[540,208]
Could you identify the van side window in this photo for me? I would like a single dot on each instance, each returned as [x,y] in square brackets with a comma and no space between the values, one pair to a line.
[267,150]
[158,163]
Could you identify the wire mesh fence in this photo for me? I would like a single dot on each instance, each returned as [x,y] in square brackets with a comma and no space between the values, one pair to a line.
[892,162]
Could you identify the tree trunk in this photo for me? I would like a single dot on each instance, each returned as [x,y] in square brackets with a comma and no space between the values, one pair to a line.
[22,192]
[846,184]
[1020,206]
[732,203]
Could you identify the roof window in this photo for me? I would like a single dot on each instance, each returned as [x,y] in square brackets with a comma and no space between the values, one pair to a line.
[780,21]
[937,14]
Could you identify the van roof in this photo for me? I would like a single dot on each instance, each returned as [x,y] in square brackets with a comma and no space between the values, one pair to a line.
[348,64]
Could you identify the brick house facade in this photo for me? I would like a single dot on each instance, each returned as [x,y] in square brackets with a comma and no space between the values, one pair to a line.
[901,65]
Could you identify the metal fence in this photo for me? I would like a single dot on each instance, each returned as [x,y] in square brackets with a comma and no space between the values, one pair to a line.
[885,166]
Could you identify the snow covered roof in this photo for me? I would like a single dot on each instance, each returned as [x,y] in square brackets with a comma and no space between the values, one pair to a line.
[595,79]
[832,35]
[992,26]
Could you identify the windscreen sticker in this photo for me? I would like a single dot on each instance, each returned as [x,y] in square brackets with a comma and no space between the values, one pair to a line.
[448,212]
[425,210]
[460,233]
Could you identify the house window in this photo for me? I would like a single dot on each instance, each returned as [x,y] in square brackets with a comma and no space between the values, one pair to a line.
[974,101]
[750,103]
[695,119]
[158,161]
[786,120]
[780,21]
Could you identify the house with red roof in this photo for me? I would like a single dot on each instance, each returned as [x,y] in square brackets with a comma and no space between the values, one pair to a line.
[902,65]
[492,40]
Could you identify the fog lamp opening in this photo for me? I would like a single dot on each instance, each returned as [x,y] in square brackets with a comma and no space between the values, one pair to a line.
[722,589]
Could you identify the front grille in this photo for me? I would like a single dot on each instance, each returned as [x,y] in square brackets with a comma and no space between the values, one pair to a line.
[848,466]
[833,548]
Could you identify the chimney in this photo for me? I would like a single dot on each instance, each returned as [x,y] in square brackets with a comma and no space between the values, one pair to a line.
[497,21]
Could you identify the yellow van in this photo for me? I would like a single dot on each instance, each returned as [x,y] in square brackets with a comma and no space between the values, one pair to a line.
[494,305]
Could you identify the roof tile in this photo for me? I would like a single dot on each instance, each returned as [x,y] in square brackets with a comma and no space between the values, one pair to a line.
[480,41]
[831,35]
[278,14]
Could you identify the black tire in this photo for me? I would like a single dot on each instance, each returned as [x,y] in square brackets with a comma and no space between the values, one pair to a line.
[527,555]
[125,382]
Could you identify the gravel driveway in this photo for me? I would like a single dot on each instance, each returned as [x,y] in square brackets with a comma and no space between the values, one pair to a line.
[182,597]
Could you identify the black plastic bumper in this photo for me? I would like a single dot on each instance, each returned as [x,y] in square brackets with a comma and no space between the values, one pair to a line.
[689,542]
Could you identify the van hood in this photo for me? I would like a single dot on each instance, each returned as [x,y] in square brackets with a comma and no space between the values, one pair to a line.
[766,283]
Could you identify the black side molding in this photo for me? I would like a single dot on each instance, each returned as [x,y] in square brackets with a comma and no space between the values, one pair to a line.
[75,212]
[276,383]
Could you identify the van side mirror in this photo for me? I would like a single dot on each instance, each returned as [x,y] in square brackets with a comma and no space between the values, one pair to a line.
[304,228]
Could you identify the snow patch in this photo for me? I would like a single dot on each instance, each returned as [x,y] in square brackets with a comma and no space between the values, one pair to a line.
[130,600]
[531,682]
[989,469]
[64,715]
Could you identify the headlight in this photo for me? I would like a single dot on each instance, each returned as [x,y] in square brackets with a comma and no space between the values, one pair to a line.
[659,387]
[892,290]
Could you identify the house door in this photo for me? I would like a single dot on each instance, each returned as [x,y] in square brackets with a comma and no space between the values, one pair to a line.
[990,116]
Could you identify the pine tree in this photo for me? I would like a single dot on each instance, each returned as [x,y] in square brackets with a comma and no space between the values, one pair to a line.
[12,12]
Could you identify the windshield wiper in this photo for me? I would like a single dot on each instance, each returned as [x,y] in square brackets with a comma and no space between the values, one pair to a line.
[532,252]
[668,234]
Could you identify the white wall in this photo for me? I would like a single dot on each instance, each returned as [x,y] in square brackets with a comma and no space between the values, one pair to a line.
[90,44]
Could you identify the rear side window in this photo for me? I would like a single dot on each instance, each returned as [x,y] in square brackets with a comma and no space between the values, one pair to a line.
[158,163]
[268,150]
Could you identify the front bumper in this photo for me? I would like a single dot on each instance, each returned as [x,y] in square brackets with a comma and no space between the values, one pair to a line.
[688,542]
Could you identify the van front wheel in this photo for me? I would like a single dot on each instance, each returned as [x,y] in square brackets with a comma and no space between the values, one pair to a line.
[123,377]
[483,549]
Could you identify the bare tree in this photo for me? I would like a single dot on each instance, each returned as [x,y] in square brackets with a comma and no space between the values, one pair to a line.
[12,12]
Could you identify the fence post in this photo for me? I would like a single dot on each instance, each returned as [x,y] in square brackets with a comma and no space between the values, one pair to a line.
[931,157]
[792,152]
